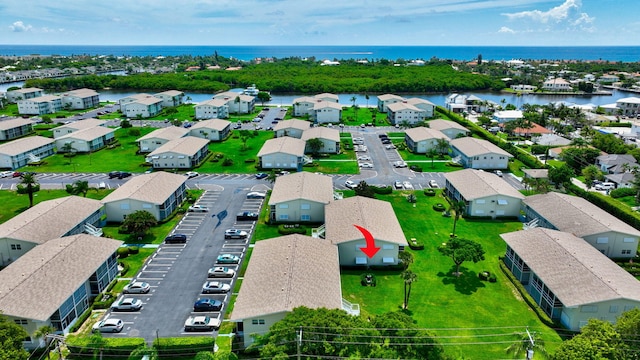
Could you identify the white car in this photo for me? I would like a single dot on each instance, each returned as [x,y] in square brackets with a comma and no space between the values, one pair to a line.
[256,195]
[350,184]
[110,325]
[101,185]
[127,304]
[198,208]
[191,174]
[390,147]
[215,287]
[358,139]
[5,174]
[407,185]
[499,173]
[400,164]
[136,287]
[433,184]
[364,158]
[366,165]
[221,272]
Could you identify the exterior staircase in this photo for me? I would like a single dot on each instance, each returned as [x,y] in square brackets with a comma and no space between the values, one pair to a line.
[318,232]
[351,309]
[92,230]
[531,224]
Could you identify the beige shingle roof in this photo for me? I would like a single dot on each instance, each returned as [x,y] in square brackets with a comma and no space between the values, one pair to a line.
[302,99]
[212,102]
[23,145]
[374,215]
[84,92]
[399,106]
[188,145]
[89,133]
[321,132]
[287,272]
[154,188]
[446,124]
[285,144]
[147,100]
[168,133]
[576,272]
[414,101]
[14,123]
[216,124]
[43,98]
[82,124]
[422,133]
[302,185]
[27,90]
[49,219]
[39,282]
[536,173]
[231,96]
[327,96]
[386,97]
[476,184]
[476,147]
[292,124]
[576,215]
[326,104]
[171,93]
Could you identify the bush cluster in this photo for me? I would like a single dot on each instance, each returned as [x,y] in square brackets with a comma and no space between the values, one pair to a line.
[487,276]
[429,192]
[416,244]
[104,300]
[622,192]
[285,229]
[439,207]
[416,168]
[382,190]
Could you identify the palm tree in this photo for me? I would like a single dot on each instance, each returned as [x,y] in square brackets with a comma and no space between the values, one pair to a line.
[526,343]
[366,96]
[81,187]
[406,258]
[28,185]
[442,145]
[353,100]
[458,207]
[315,145]
[42,332]
[431,153]
[408,277]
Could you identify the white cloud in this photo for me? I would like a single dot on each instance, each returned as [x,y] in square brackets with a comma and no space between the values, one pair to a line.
[568,11]
[19,26]
[506,30]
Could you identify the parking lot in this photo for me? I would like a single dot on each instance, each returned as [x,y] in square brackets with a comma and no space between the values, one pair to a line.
[177,272]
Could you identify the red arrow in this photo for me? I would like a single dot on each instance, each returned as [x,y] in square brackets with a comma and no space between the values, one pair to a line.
[370,250]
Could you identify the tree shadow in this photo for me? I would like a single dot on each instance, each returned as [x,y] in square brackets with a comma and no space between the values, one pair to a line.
[466,284]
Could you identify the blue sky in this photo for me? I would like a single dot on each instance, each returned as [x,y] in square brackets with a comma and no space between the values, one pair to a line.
[320,22]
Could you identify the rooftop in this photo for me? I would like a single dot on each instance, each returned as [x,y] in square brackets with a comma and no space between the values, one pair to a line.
[476,184]
[153,188]
[302,185]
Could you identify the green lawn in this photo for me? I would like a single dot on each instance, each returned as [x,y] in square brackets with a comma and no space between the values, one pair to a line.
[441,301]
[135,263]
[122,157]
[233,148]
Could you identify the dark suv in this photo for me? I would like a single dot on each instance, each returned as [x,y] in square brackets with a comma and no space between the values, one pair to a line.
[176,239]
[119,174]
[246,215]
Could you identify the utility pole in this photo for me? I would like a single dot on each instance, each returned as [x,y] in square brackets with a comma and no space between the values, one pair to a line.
[299,343]
[530,350]
[58,339]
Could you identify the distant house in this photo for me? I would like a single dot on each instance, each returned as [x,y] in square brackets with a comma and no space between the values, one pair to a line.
[426,106]
[67,129]
[23,94]
[629,106]
[570,281]
[551,140]
[536,173]
[374,215]
[557,84]
[459,103]
[387,99]
[421,139]
[308,275]
[47,220]
[70,270]
[159,193]
[327,112]
[328,97]
[523,87]
[484,193]
[403,112]
[237,103]
[18,153]
[212,129]
[182,153]
[621,180]
[41,105]
[293,128]
[534,129]
[610,235]
[616,163]
[479,154]
[159,137]
[304,105]
[450,128]
[15,128]
[507,115]
[141,105]
[86,140]
[300,197]
[329,137]
[81,99]
[171,98]
[212,109]
[282,153]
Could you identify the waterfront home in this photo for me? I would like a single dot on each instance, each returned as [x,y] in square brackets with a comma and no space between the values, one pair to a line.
[507,115]
[171,98]
[141,105]
[387,99]
[479,154]
[557,84]
[14,128]
[80,99]
[20,152]
[212,109]
[629,106]
[41,105]
[13,96]
[426,106]
[485,194]
[459,103]
[293,128]
[212,129]
[237,103]
[401,113]
[182,153]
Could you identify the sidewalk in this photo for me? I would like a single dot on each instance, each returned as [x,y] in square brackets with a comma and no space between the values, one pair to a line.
[579,184]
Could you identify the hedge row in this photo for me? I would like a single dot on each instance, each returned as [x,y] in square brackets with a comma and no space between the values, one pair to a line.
[622,192]
[80,347]
[527,298]
[608,204]
[183,346]
[291,229]
[382,190]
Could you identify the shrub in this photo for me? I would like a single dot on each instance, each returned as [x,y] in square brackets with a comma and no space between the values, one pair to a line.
[622,192]
[250,160]
[368,279]
[227,162]
[383,190]
[291,229]
[484,275]
[493,278]
[134,132]
[416,168]
[81,319]
[411,198]
[429,192]
[122,252]
[104,301]
[439,207]
[453,164]
[125,268]
[133,250]
[415,244]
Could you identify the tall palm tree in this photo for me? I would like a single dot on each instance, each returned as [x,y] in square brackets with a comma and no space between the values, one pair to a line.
[28,185]
[42,332]
[432,153]
[458,207]
[353,100]
[442,145]
[526,343]
[409,277]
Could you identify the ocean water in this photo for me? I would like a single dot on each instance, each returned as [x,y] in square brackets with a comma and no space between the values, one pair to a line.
[606,53]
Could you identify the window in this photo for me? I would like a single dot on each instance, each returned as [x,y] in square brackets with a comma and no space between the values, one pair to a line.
[305,217]
[147,206]
[388,260]
[283,206]
[305,206]
[502,202]
[125,206]
[626,252]
[20,321]
[257,322]
[629,240]
[603,240]
[284,217]
[387,247]
[613,309]
[589,308]
[480,201]
[16,247]
[361,260]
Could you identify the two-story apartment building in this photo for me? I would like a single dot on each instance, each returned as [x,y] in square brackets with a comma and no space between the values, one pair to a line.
[170,98]
[18,153]
[237,103]
[159,137]
[13,96]
[479,154]
[300,197]
[41,105]
[80,99]
[14,128]
[327,112]
[183,153]
[421,139]
[212,109]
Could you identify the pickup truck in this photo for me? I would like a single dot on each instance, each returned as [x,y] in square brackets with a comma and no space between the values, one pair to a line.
[201,323]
